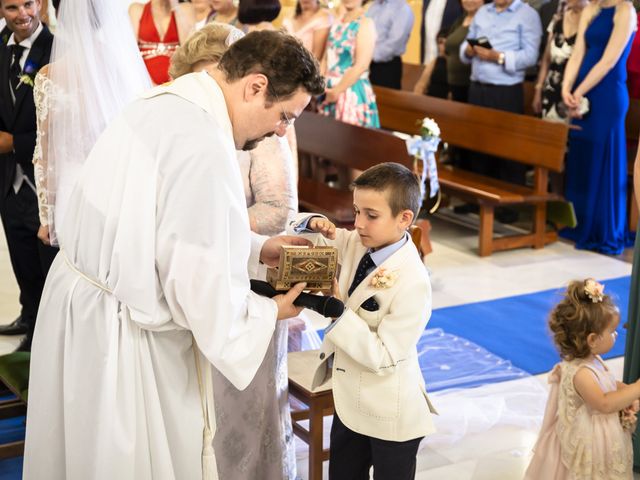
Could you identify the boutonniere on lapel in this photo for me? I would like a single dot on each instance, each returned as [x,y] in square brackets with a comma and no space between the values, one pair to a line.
[28,74]
[383,278]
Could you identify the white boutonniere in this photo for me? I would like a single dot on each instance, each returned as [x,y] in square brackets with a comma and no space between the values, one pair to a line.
[26,79]
[383,278]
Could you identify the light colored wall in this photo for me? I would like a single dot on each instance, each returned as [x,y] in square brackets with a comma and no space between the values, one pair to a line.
[412,55]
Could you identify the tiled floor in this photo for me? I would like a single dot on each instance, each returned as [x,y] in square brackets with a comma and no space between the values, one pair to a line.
[498,435]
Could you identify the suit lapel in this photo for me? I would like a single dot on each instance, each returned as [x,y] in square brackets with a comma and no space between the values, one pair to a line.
[38,57]
[6,109]
[365,289]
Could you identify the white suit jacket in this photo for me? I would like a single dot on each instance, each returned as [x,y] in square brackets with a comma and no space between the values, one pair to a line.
[378,387]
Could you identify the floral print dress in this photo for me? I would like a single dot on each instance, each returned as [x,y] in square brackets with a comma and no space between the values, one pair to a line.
[553,107]
[357,104]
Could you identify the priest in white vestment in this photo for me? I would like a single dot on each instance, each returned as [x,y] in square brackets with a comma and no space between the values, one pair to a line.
[156,248]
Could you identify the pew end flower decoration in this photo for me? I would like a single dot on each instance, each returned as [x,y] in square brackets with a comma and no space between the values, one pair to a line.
[423,148]
[383,278]
[429,128]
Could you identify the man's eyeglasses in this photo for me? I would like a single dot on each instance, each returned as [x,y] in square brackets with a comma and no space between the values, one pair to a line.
[284,118]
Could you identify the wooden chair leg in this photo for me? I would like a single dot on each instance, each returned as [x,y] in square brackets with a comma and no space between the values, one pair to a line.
[485,240]
[316,437]
[10,450]
[425,236]
[539,224]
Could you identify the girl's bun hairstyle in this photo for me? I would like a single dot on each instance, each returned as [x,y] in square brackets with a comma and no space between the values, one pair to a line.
[576,316]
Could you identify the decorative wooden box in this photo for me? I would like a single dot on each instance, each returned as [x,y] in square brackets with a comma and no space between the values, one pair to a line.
[315,265]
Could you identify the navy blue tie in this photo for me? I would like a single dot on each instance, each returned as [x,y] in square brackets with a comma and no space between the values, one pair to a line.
[366,264]
[14,68]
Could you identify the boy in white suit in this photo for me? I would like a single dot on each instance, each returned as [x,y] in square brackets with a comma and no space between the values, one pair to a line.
[382,409]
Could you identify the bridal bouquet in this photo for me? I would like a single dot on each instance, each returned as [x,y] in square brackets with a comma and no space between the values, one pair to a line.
[423,149]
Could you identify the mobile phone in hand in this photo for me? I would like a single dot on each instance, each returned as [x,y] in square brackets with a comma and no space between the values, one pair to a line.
[481,42]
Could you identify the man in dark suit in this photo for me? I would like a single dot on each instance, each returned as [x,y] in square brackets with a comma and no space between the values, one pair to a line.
[27,50]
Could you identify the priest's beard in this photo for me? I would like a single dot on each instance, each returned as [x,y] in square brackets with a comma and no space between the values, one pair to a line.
[251,144]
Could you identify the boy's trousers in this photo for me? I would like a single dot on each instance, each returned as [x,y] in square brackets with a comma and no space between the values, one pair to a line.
[352,455]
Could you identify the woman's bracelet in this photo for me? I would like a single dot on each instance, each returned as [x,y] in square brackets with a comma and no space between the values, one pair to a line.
[538,86]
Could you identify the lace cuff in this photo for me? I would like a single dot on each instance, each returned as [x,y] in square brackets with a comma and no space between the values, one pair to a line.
[41,92]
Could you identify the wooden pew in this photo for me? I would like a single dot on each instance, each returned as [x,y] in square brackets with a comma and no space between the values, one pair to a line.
[518,138]
[410,74]
[346,146]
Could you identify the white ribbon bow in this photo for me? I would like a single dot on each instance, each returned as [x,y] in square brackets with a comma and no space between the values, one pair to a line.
[425,149]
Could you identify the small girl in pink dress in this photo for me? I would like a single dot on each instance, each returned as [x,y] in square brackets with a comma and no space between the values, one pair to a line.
[586,431]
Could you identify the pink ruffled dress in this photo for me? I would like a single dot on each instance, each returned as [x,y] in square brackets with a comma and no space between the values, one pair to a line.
[575,442]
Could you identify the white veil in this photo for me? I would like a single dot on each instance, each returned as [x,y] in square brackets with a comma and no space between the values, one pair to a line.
[95,70]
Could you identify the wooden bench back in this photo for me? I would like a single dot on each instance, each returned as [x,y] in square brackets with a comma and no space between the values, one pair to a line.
[521,138]
[348,145]
[410,74]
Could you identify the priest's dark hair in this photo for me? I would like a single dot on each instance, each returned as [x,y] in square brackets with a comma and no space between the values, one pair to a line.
[252,12]
[280,57]
[399,184]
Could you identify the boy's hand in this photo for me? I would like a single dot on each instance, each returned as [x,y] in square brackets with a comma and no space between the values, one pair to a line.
[323,226]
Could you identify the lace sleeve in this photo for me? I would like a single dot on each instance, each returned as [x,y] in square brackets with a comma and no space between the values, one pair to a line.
[273,186]
[41,93]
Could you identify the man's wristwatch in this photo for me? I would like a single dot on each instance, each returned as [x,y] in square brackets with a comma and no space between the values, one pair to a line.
[501,58]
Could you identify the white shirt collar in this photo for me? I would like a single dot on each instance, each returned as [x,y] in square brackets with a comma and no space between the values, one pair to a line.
[202,90]
[380,256]
[27,42]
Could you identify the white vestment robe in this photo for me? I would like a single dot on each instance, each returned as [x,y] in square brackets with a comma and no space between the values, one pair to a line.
[156,244]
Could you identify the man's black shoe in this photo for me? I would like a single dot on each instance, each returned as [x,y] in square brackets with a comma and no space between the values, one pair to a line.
[466,208]
[507,216]
[17,327]
[25,344]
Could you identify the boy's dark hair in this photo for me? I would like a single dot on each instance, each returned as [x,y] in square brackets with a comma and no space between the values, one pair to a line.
[280,57]
[400,184]
[252,12]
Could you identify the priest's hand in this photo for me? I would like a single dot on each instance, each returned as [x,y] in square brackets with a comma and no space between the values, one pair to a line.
[270,253]
[335,290]
[286,308]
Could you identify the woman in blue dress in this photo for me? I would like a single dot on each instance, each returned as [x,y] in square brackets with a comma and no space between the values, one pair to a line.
[595,91]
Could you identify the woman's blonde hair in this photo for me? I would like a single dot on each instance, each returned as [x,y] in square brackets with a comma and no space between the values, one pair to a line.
[577,316]
[206,45]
